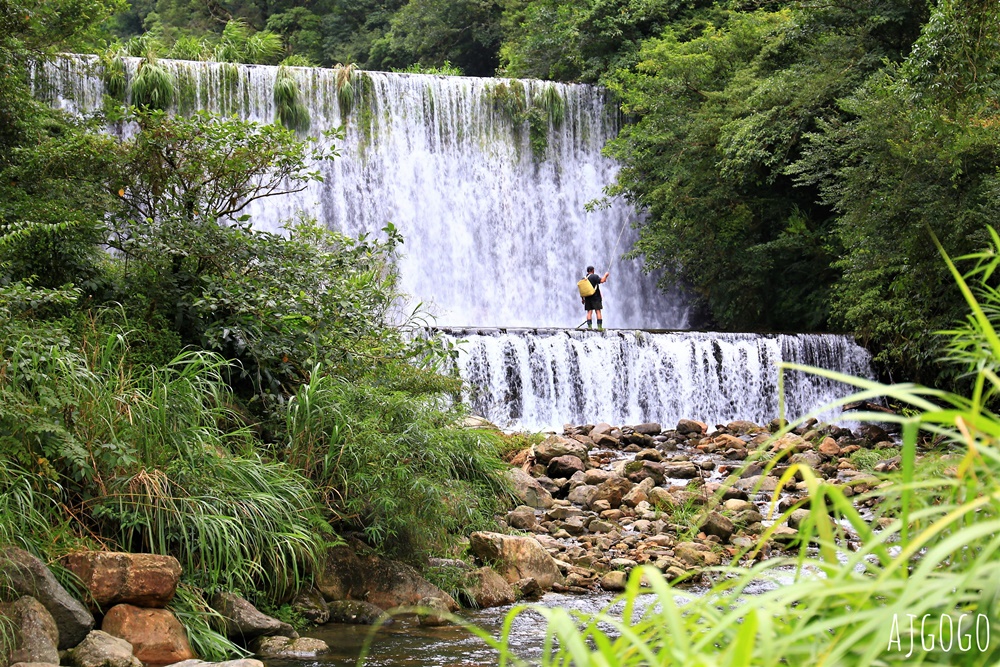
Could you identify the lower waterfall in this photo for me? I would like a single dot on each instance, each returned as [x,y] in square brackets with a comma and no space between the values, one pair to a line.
[538,379]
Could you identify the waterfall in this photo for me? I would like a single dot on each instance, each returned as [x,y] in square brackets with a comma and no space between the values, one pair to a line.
[487,180]
[539,379]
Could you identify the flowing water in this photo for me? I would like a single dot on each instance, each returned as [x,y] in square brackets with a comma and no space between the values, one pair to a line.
[538,379]
[497,232]
[407,644]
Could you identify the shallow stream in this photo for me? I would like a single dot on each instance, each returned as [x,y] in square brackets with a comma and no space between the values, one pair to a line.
[407,644]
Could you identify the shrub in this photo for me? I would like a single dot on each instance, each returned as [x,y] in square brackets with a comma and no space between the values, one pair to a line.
[389,460]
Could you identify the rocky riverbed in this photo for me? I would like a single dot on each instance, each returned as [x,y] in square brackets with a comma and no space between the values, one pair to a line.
[596,501]
[601,500]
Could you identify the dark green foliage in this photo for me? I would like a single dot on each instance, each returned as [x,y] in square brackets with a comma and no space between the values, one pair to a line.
[581,40]
[430,32]
[720,117]
[290,111]
[153,87]
[384,452]
[918,155]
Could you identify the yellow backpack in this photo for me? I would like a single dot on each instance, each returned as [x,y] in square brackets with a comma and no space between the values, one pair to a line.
[586,288]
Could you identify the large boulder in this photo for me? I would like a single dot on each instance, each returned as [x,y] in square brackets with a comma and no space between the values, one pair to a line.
[283,648]
[143,580]
[348,575]
[245,622]
[564,466]
[716,524]
[527,490]
[690,427]
[356,612]
[555,446]
[681,470]
[100,649]
[488,589]
[516,558]
[26,575]
[636,471]
[36,636]
[156,636]
[311,605]
[612,490]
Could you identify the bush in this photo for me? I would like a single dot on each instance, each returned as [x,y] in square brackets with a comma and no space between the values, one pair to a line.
[389,460]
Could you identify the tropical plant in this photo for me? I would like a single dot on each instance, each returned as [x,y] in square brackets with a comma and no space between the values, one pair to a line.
[290,111]
[153,86]
[387,457]
[345,88]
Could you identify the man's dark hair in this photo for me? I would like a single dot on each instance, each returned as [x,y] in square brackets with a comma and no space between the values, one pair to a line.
[590,269]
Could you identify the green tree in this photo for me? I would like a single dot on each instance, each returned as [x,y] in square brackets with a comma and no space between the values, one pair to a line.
[918,152]
[583,40]
[432,32]
[719,119]
[50,193]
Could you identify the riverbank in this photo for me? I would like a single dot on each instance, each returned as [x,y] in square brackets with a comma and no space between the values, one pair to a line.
[595,502]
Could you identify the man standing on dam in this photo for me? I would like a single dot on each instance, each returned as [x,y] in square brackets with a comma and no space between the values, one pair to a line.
[593,301]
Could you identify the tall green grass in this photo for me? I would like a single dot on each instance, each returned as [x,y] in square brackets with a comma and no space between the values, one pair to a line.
[847,595]
[150,460]
[388,460]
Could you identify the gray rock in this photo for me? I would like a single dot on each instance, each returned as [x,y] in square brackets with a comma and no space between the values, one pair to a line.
[810,458]
[716,524]
[312,606]
[606,440]
[637,471]
[689,427]
[614,581]
[600,429]
[245,622]
[516,557]
[355,612]
[582,495]
[283,648]
[596,476]
[599,526]
[433,612]
[612,490]
[556,446]
[100,649]
[522,518]
[36,634]
[649,428]
[489,589]
[27,575]
[681,470]
[796,518]
[565,466]
[527,490]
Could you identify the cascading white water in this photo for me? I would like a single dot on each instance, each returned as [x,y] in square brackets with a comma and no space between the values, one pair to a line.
[497,233]
[537,379]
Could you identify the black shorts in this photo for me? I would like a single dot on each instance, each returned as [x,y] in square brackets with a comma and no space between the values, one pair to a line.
[593,302]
